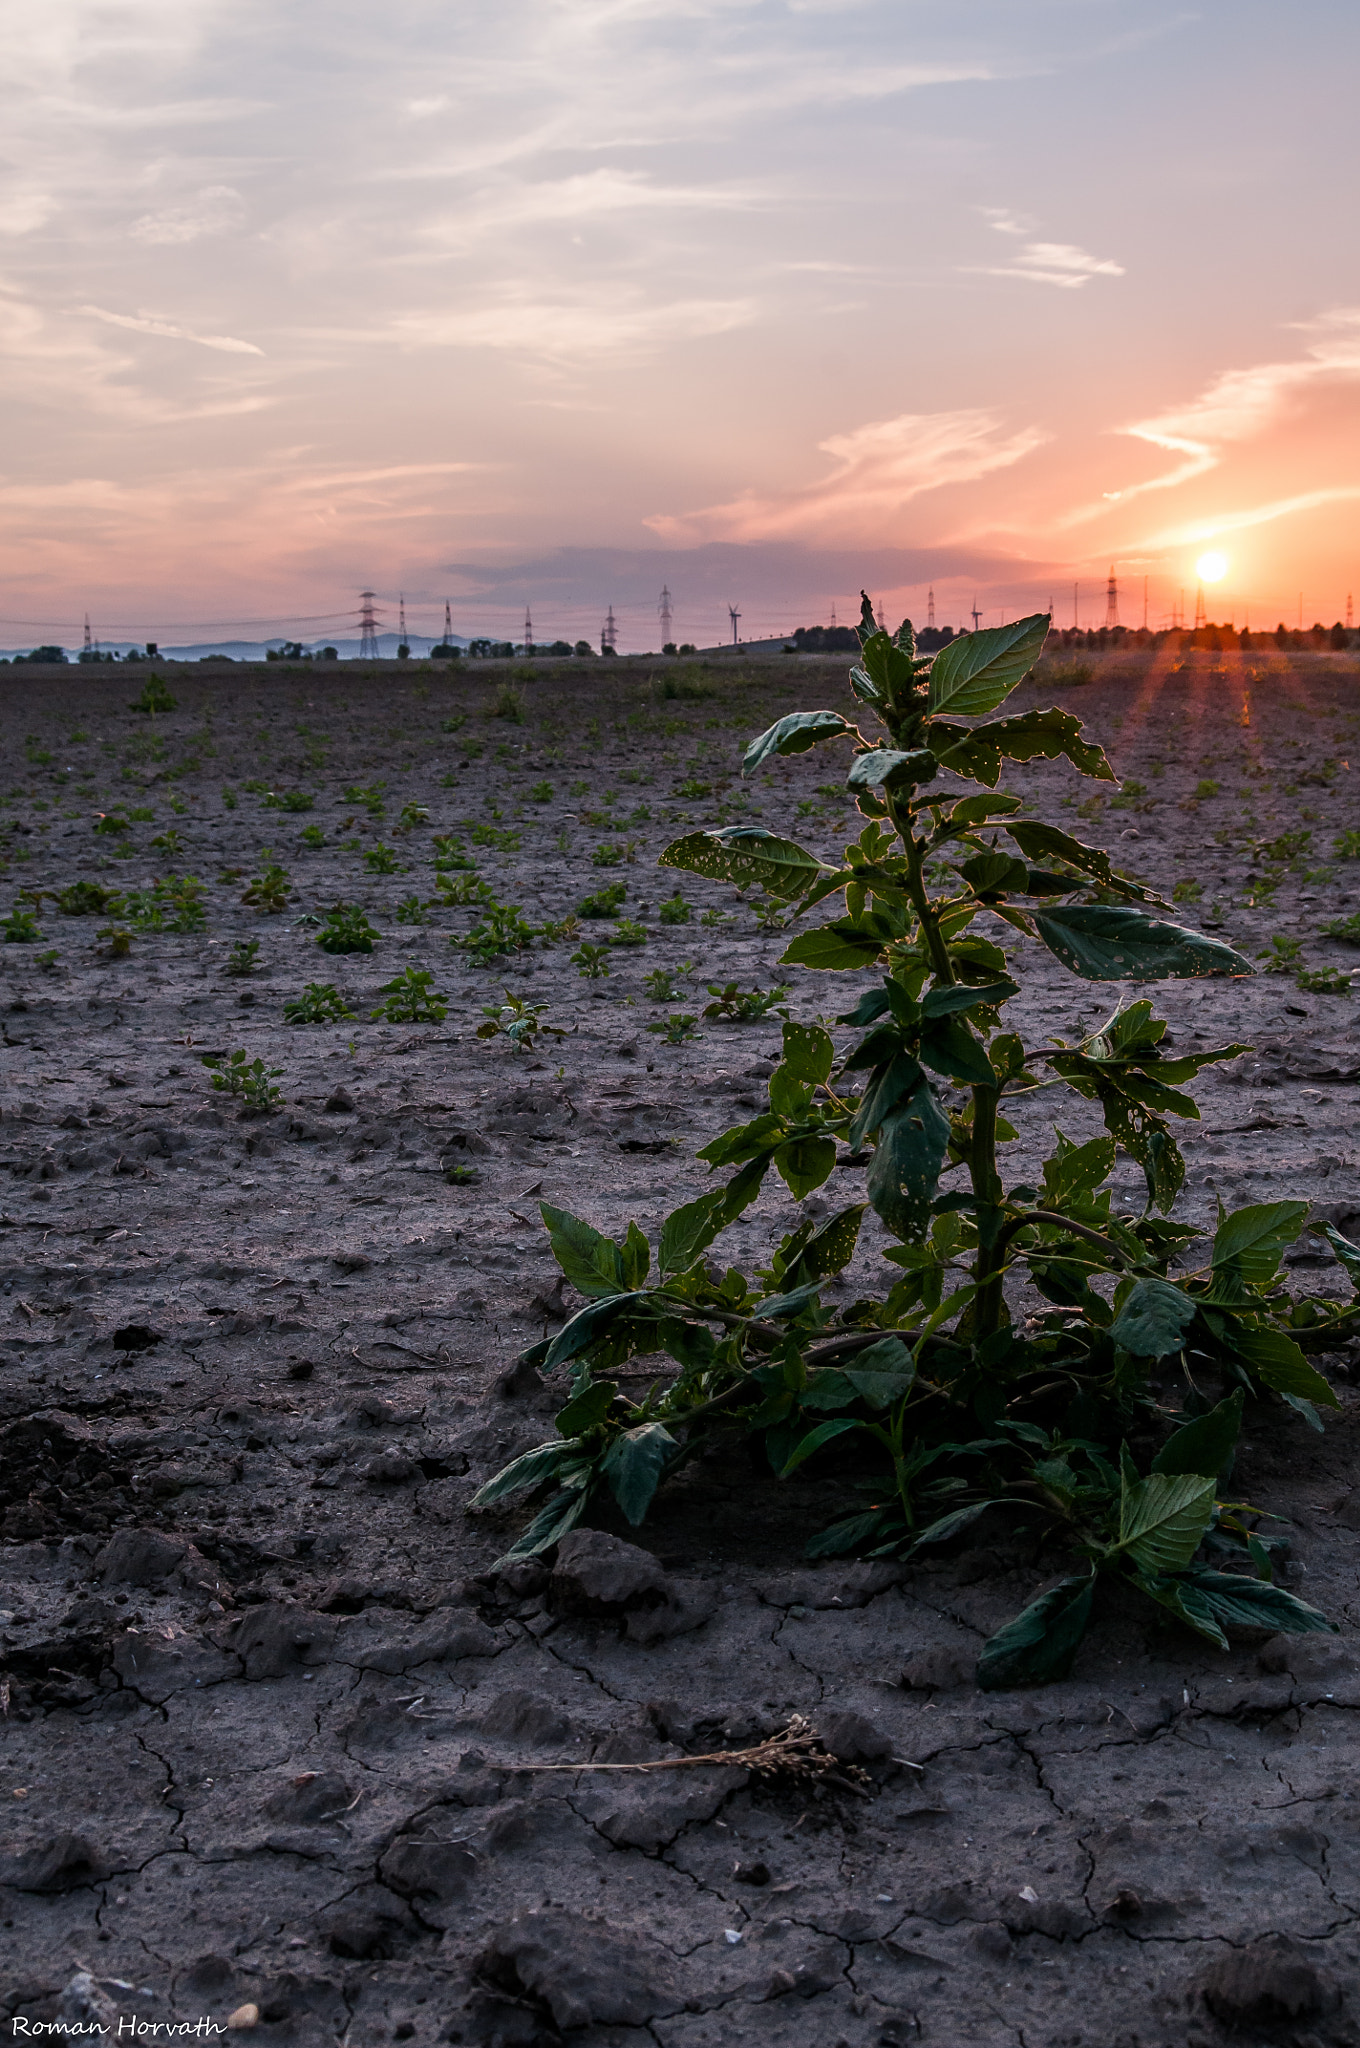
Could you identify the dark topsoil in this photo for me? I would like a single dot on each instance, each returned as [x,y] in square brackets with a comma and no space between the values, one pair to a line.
[268,1713]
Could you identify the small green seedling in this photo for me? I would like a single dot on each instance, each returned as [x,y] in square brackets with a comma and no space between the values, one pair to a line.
[507,704]
[607,856]
[1347,929]
[251,1082]
[662,986]
[346,930]
[675,910]
[676,1028]
[21,927]
[714,916]
[154,698]
[1347,846]
[541,793]
[628,932]
[557,929]
[411,815]
[463,889]
[605,902]
[119,941]
[289,800]
[455,723]
[313,837]
[411,910]
[412,998]
[319,1003]
[769,916]
[1325,981]
[450,852]
[1282,955]
[518,1020]
[381,860]
[746,1006]
[169,841]
[1187,890]
[503,841]
[85,899]
[48,959]
[461,1176]
[503,928]
[370,798]
[270,889]
[591,962]
[115,823]
[1205,790]
[243,957]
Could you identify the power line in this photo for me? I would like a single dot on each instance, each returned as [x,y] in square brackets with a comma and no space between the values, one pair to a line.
[368,627]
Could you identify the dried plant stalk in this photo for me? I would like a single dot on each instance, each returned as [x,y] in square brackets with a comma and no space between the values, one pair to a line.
[796,1752]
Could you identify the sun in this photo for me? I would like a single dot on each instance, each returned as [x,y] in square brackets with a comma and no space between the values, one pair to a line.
[1211,568]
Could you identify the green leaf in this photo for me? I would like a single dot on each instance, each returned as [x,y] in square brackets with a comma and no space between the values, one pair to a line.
[591,1323]
[1205,1445]
[804,1163]
[840,946]
[886,765]
[949,1047]
[832,1247]
[976,751]
[745,854]
[813,1441]
[1041,1642]
[828,1389]
[528,1470]
[900,1076]
[945,1001]
[973,674]
[1152,1324]
[1111,942]
[1181,1598]
[1162,1518]
[1046,842]
[953,1524]
[1253,1603]
[843,1537]
[1254,1238]
[1279,1364]
[794,734]
[587,1409]
[590,1260]
[635,1258]
[808,1052]
[550,1524]
[905,1170]
[690,1230]
[791,1303]
[635,1465]
[1346,1252]
[1076,1167]
[991,874]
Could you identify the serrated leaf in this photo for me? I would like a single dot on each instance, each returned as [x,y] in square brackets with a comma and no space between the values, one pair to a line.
[1113,942]
[945,1001]
[795,734]
[1205,1445]
[745,855]
[976,751]
[528,1470]
[1253,1603]
[1254,1238]
[1279,1364]
[973,674]
[591,1323]
[591,1261]
[824,1433]
[1041,1642]
[885,765]
[808,1052]
[587,1409]
[1045,842]
[905,1170]
[896,1078]
[839,948]
[1163,1518]
[832,1247]
[689,1230]
[635,1465]
[1152,1324]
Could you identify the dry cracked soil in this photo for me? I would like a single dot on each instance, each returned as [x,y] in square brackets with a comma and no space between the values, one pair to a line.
[273,1728]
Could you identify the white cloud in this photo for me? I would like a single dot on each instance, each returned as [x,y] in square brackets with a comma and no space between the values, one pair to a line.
[1058,263]
[145,323]
[880,468]
[215,211]
[564,329]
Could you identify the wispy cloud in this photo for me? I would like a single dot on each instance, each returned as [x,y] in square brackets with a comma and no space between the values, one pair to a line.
[569,329]
[880,467]
[144,323]
[1217,524]
[1057,263]
[214,211]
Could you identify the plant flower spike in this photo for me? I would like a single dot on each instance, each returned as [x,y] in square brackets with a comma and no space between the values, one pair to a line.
[954,1407]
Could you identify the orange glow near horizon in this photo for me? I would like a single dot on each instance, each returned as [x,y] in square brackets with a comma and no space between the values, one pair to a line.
[1212,568]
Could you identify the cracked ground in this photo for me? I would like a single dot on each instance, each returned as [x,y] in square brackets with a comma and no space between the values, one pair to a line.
[275,1732]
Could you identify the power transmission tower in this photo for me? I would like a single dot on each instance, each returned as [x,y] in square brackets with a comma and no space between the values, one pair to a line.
[448,623]
[528,632]
[833,614]
[882,623]
[609,633]
[930,609]
[976,615]
[1112,600]
[663,612]
[368,627]
[89,644]
[401,620]
[733,614]
[1201,618]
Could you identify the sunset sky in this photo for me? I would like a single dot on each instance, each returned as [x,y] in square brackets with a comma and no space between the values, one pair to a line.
[552,301]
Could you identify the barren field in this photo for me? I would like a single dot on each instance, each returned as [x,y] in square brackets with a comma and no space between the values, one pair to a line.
[273,1729]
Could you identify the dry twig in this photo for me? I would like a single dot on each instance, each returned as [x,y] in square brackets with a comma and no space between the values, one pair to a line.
[796,1753]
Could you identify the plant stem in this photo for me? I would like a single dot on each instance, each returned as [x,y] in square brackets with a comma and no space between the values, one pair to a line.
[914,849]
[987,1187]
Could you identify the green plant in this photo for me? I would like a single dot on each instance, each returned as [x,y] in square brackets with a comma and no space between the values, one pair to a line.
[346,930]
[559,928]
[541,793]
[507,703]
[270,889]
[1282,955]
[229,800]
[461,1176]
[769,917]
[578,789]
[173,904]
[692,789]
[518,1020]
[313,837]
[411,910]
[411,815]
[1288,846]
[674,910]
[628,932]
[713,916]
[169,841]
[507,841]
[466,889]
[250,1081]
[370,797]
[746,1006]
[591,962]
[412,998]
[455,723]
[319,1003]
[450,853]
[381,860]
[21,927]
[113,822]
[963,1409]
[143,815]
[119,941]
[1345,928]
[502,928]
[84,899]
[243,957]
[1205,789]
[661,984]
[604,902]
[154,698]
[1347,846]
[676,1028]
[1187,890]
[47,960]
[1325,981]
[288,800]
